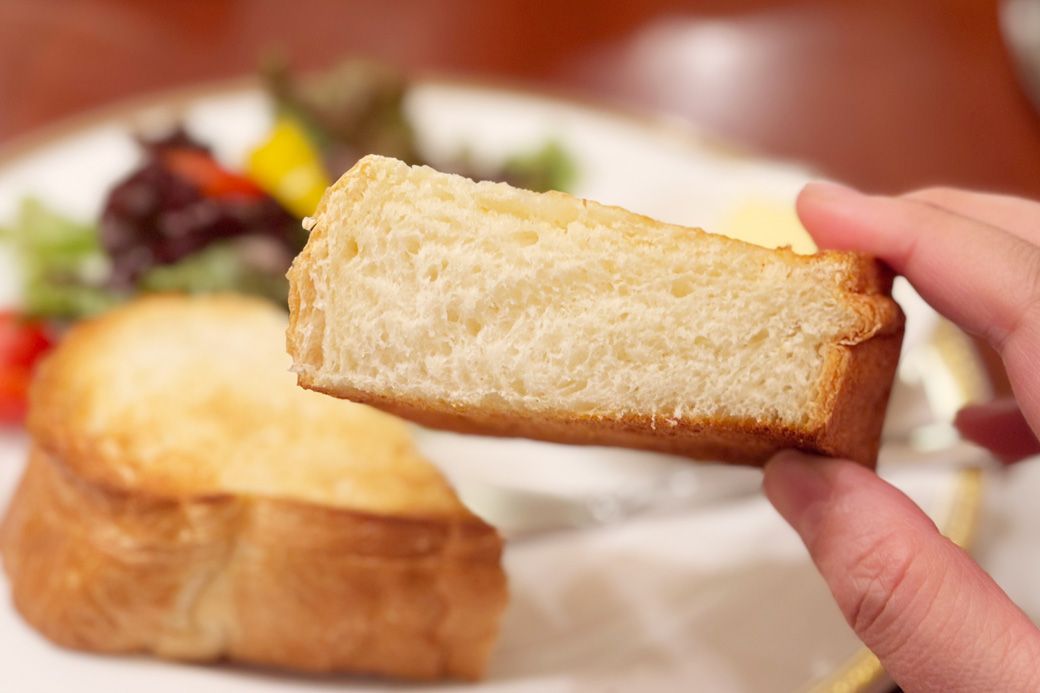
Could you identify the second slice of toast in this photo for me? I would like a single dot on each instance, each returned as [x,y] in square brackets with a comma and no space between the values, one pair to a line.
[185,498]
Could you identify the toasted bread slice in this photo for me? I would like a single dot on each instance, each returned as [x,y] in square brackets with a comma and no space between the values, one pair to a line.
[482,308]
[185,498]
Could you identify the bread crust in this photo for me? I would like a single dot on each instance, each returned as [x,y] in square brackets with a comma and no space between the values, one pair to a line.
[259,580]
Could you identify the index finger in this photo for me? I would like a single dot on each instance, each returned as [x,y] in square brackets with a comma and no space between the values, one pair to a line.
[1015,215]
[981,277]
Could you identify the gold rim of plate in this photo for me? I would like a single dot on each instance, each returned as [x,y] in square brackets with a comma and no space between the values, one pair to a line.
[862,671]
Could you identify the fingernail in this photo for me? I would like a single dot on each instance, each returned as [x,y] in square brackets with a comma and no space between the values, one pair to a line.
[797,485]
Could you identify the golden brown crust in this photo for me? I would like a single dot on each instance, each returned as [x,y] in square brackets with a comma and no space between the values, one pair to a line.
[860,397]
[259,580]
[860,368]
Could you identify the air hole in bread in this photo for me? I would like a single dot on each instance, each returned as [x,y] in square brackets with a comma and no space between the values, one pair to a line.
[571,387]
[525,238]
[350,249]
[504,206]
[682,287]
[758,337]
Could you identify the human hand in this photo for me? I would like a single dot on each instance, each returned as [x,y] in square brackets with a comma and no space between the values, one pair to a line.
[933,617]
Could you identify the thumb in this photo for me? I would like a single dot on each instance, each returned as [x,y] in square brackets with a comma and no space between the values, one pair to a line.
[935,619]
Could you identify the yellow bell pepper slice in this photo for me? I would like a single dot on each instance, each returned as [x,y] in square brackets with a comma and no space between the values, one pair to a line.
[289,168]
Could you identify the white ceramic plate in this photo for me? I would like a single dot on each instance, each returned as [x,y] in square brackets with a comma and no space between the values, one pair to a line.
[671,576]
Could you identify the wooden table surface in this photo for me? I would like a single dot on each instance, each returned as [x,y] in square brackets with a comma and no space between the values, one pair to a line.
[885,94]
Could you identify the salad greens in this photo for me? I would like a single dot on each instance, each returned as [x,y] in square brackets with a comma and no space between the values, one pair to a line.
[62,263]
[181,221]
[222,266]
[179,201]
[547,168]
[65,272]
[351,109]
[358,107]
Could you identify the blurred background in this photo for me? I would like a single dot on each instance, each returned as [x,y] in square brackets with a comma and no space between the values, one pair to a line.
[885,94]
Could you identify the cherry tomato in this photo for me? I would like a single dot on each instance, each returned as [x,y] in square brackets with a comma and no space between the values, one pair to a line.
[211,178]
[22,343]
[14,395]
[22,340]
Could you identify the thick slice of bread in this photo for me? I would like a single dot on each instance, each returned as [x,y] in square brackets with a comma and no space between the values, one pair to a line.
[185,498]
[479,307]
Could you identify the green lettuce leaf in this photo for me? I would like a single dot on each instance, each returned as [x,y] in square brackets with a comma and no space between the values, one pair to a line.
[62,264]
